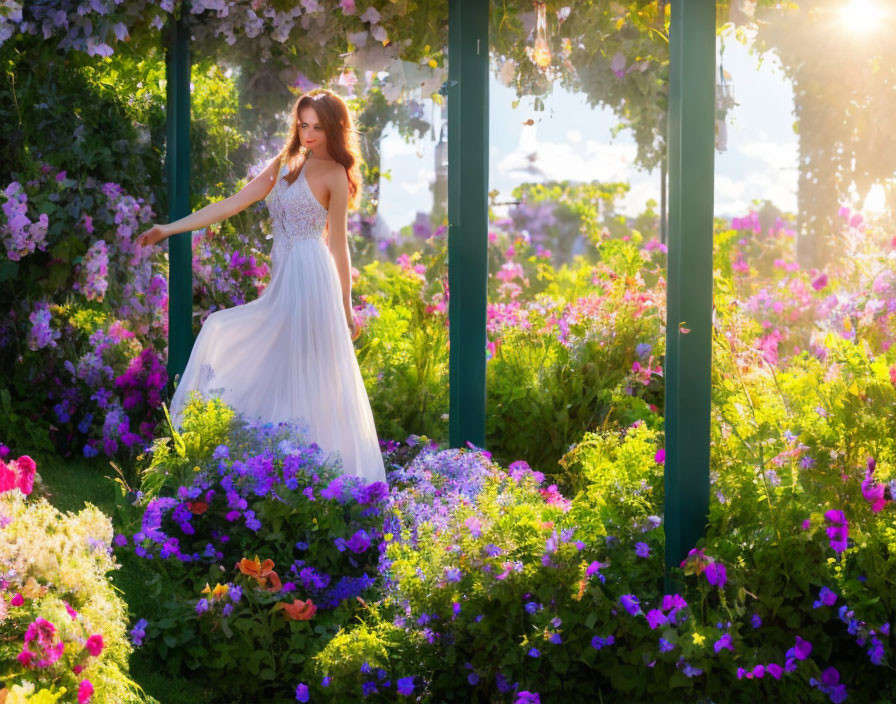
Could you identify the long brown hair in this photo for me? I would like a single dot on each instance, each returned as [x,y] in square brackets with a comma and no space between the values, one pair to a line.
[342,138]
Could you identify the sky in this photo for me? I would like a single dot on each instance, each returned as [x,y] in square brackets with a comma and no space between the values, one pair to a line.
[573,141]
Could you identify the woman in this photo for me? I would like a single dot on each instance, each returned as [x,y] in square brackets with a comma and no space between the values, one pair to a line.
[288,355]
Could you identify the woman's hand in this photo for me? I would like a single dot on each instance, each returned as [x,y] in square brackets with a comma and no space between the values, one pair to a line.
[153,235]
[352,324]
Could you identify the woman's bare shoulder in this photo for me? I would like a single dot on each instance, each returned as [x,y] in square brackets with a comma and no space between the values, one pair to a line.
[335,175]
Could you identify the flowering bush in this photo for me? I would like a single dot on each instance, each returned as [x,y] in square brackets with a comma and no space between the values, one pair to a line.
[62,626]
[259,544]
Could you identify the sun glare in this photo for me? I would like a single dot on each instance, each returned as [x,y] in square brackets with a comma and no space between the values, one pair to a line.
[861,16]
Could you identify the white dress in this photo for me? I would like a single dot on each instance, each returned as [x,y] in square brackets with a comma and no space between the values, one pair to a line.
[288,355]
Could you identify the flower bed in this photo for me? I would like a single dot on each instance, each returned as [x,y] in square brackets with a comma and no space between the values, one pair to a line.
[62,626]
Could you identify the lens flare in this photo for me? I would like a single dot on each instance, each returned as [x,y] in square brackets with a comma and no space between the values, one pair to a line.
[861,16]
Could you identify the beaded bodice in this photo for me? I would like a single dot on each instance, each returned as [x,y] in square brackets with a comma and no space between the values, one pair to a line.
[295,213]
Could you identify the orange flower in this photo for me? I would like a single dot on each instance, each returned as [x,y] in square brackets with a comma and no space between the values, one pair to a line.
[261,572]
[197,508]
[298,610]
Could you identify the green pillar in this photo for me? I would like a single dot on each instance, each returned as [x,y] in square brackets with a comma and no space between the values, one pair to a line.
[177,170]
[692,43]
[467,93]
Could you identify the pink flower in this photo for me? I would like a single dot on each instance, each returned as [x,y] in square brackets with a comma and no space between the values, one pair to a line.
[85,691]
[71,612]
[348,7]
[27,469]
[78,669]
[26,657]
[660,456]
[94,645]
[820,282]
[17,600]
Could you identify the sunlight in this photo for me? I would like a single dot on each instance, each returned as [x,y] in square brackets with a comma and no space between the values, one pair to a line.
[861,16]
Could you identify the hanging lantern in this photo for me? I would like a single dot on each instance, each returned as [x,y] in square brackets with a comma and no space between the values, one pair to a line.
[724,103]
[540,54]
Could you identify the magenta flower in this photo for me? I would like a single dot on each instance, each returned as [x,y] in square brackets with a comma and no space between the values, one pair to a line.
[85,692]
[873,492]
[656,618]
[839,532]
[94,645]
[660,456]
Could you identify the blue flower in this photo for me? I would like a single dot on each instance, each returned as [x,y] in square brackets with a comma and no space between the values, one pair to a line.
[533,653]
[405,686]
[302,692]
[138,632]
[598,642]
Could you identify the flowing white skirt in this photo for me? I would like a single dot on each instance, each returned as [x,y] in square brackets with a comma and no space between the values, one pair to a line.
[288,356]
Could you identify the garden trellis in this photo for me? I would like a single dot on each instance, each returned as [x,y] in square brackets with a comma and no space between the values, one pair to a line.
[691,121]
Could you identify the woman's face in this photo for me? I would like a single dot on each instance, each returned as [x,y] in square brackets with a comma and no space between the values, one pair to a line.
[311,131]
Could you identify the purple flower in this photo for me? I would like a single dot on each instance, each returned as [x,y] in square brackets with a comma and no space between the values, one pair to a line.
[666,646]
[801,650]
[359,542]
[755,621]
[526,697]
[656,618]
[642,550]
[534,653]
[630,603]
[598,642]
[302,692]
[453,574]
[774,670]
[595,567]
[202,606]
[138,632]
[715,574]
[825,598]
[722,643]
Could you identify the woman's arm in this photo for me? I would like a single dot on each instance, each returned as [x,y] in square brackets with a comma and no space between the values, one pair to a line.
[338,238]
[253,191]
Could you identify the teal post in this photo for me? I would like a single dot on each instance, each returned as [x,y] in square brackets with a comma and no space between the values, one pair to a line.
[692,40]
[177,169]
[467,93]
